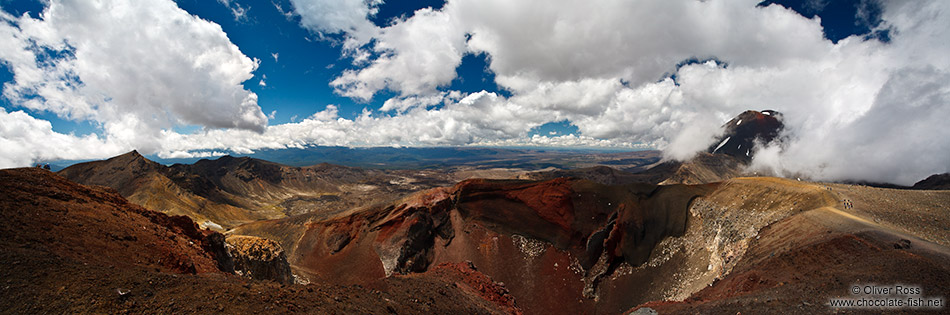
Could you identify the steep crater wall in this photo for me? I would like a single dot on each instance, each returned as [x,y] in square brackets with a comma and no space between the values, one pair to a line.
[545,240]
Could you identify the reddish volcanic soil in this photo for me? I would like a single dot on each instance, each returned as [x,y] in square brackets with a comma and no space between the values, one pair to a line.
[35,282]
[553,244]
[45,212]
[69,248]
[563,246]
[560,246]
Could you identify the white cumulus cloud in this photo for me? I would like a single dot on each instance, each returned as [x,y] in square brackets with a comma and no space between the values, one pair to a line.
[25,139]
[605,66]
[350,17]
[134,68]
[112,59]
[858,109]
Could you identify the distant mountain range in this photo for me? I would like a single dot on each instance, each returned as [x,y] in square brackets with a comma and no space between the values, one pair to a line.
[230,191]
[430,157]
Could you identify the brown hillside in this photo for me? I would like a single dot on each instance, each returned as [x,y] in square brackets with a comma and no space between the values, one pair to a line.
[229,191]
[45,212]
[70,248]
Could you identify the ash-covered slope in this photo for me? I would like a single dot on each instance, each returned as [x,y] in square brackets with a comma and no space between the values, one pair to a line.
[124,173]
[799,260]
[229,191]
[703,168]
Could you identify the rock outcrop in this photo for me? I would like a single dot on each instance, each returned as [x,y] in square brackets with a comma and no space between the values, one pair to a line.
[259,258]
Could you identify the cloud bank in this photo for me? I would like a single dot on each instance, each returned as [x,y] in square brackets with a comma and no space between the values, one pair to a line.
[134,68]
[858,109]
[661,74]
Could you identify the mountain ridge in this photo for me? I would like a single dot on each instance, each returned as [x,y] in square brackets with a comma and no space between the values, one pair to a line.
[230,191]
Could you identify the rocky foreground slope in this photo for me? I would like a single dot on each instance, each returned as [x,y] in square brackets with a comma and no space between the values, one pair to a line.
[70,248]
[47,213]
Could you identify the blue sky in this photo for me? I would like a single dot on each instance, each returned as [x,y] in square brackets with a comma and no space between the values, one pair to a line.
[297,65]
[193,78]
[297,79]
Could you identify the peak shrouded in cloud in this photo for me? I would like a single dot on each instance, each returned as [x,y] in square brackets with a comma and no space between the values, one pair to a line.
[619,71]
[601,74]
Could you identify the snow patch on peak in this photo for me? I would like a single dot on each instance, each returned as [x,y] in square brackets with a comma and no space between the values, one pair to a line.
[721,144]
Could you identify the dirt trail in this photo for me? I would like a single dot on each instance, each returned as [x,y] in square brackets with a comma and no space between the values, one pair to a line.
[922,213]
[806,256]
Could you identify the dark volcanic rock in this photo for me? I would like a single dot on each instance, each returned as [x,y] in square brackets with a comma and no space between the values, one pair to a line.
[525,233]
[934,182]
[408,233]
[259,258]
[701,169]
[742,132]
[243,168]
